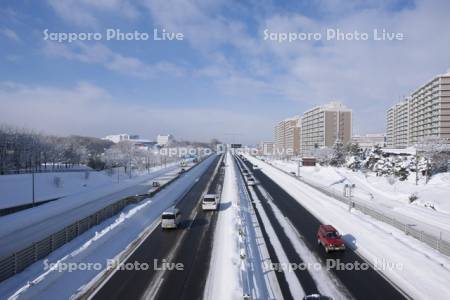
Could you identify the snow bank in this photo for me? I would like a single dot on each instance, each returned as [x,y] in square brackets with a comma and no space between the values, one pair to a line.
[224,281]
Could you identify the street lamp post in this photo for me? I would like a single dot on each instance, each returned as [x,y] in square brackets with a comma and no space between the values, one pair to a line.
[348,193]
[300,163]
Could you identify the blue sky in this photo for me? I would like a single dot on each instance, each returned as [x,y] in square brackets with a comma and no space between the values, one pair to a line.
[223,79]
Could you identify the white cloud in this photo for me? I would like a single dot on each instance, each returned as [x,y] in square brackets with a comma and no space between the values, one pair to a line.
[11,34]
[102,55]
[203,24]
[89,110]
[85,13]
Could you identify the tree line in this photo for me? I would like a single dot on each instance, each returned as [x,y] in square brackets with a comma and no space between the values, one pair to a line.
[23,150]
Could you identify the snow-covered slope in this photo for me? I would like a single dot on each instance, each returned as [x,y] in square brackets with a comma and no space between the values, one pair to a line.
[432,206]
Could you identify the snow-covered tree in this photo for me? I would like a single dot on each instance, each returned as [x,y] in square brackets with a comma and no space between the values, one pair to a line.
[339,154]
[323,155]
[436,151]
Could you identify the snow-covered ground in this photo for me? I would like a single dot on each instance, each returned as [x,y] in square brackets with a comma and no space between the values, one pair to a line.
[230,276]
[431,212]
[17,189]
[108,240]
[417,269]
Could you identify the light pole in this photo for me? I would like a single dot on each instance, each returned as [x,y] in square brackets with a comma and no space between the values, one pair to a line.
[300,163]
[348,193]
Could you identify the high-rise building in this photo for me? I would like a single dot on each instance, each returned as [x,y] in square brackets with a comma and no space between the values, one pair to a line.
[322,126]
[398,125]
[287,137]
[423,114]
[266,148]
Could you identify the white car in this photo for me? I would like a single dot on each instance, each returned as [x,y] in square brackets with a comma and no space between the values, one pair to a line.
[171,218]
[251,181]
[255,167]
[210,202]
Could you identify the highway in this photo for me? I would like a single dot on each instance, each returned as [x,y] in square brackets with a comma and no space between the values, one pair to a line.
[189,246]
[363,284]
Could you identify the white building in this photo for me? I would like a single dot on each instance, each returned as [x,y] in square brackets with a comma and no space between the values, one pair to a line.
[116,138]
[370,140]
[164,140]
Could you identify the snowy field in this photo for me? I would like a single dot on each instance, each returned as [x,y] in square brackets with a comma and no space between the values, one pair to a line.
[21,229]
[17,189]
[419,270]
[432,209]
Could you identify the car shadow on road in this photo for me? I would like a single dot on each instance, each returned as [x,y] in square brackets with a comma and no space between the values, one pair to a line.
[224,206]
[350,241]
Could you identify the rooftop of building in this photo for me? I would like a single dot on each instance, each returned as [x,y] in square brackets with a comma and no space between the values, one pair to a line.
[331,106]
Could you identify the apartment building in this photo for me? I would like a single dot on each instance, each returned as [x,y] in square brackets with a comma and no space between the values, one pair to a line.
[398,125]
[287,137]
[266,148]
[322,126]
[425,113]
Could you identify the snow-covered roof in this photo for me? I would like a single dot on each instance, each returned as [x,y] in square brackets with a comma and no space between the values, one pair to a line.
[409,150]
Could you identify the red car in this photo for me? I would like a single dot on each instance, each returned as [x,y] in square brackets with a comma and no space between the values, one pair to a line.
[330,238]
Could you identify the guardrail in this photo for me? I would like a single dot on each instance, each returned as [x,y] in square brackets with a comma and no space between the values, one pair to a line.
[431,240]
[19,260]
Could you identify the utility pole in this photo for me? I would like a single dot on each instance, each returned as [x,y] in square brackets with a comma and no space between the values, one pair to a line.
[129,162]
[32,186]
[417,169]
